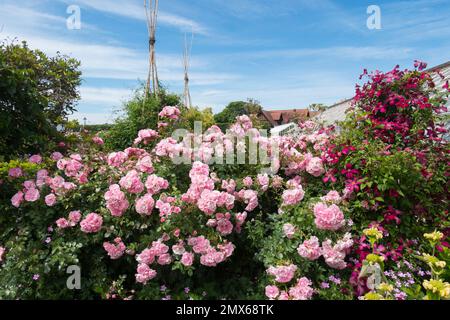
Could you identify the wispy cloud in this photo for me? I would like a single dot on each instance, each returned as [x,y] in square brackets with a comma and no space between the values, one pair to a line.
[337,52]
[134,9]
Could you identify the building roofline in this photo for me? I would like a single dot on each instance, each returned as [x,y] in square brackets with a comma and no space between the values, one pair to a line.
[440,66]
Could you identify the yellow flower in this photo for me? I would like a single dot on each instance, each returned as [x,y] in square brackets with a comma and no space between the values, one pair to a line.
[385,287]
[438,286]
[373,258]
[433,262]
[373,296]
[434,237]
[373,233]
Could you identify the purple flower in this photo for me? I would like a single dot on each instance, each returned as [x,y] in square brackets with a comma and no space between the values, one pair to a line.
[325,285]
[36,277]
[400,296]
[334,279]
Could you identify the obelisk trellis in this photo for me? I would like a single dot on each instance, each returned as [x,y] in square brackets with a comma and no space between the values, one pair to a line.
[151,12]
[186,56]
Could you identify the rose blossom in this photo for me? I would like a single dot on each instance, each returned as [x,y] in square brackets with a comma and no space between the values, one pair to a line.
[35,159]
[187,259]
[98,140]
[132,182]
[272,292]
[293,196]
[170,112]
[74,217]
[116,159]
[164,259]
[17,199]
[302,290]
[310,249]
[315,167]
[145,204]
[144,273]
[283,274]
[333,256]
[328,218]
[50,200]
[116,201]
[224,227]
[15,172]
[248,181]
[333,197]
[115,250]
[62,223]
[155,184]
[32,195]
[92,223]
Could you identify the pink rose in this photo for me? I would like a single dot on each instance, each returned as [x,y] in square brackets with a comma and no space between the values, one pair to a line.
[187,259]
[35,159]
[132,182]
[224,227]
[332,197]
[74,217]
[116,159]
[164,259]
[115,250]
[293,196]
[272,292]
[328,218]
[50,200]
[144,273]
[302,290]
[145,204]
[116,201]
[17,199]
[15,172]
[32,195]
[92,223]
[310,249]
[62,223]
[333,256]
[283,274]
[56,156]
[98,140]
[248,182]
[315,167]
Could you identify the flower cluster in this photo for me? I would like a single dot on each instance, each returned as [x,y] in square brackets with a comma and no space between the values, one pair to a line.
[115,250]
[302,290]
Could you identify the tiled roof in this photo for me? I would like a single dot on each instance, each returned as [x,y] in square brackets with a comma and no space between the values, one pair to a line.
[276,117]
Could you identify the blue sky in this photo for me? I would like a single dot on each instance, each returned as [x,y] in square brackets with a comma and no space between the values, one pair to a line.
[284,53]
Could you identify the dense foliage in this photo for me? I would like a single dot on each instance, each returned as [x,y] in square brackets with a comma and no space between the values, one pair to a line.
[359,214]
[37,93]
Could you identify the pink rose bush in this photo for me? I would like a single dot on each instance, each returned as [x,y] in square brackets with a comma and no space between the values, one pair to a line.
[196,226]
[166,213]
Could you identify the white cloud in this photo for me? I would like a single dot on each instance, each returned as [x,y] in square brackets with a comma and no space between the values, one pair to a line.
[106,97]
[134,9]
[337,52]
